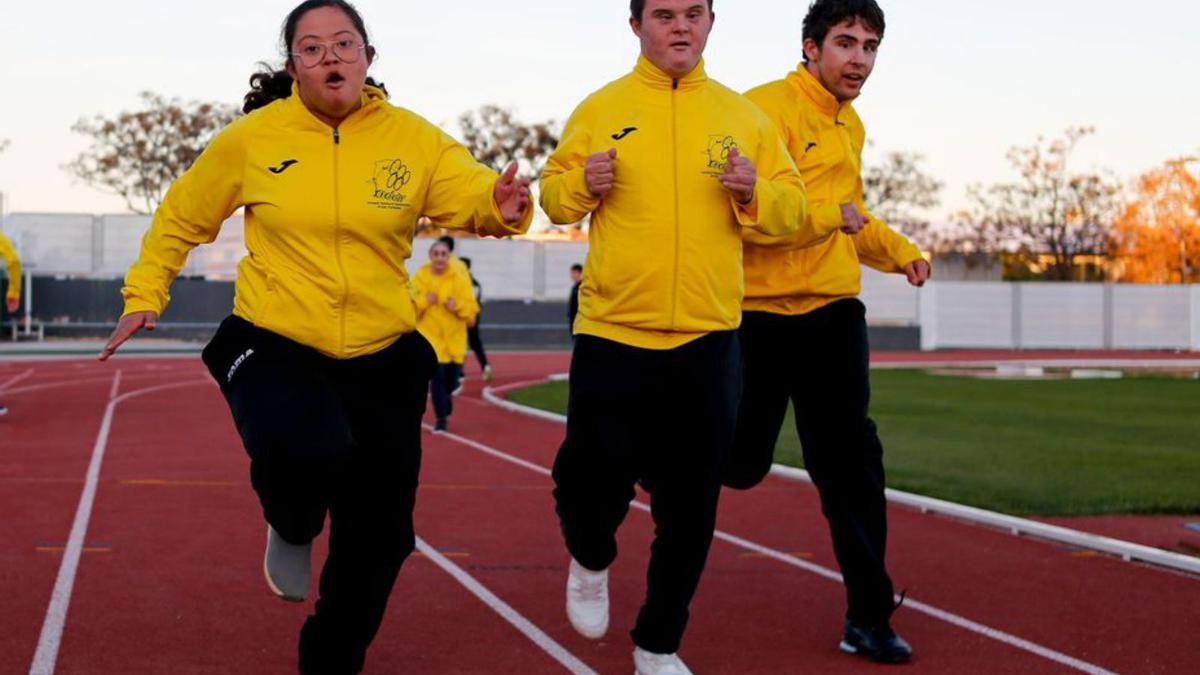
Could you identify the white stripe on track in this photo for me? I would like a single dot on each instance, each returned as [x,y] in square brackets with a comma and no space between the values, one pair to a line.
[832,575]
[16,379]
[527,628]
[60,599]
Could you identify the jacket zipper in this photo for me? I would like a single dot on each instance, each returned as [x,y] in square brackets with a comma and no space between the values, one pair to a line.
[337,242]
[675,175]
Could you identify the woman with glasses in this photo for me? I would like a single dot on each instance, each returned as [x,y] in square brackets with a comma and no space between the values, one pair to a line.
[320,362]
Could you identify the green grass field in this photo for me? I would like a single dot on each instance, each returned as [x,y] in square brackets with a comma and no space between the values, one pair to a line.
[1045,447]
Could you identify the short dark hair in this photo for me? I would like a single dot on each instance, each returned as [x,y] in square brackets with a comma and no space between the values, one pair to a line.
[636,7]
[448,241]
[577,267]
[823,15]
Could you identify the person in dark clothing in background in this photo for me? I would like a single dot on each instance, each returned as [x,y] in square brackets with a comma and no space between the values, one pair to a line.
[573,301]
[473,338]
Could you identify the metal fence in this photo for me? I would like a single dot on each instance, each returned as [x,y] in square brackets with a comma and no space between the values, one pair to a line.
[950,314]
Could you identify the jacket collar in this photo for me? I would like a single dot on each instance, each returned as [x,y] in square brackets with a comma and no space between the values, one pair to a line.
[373,99]
[654,77]
[814,91]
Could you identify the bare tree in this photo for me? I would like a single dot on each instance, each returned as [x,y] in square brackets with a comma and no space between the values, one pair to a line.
[138,154]
[1050,210]
[495,138]
[896,189]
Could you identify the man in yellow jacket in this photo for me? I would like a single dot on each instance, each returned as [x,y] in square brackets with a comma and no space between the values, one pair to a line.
[12,296]
[445,305]
[671,166]
[804,333]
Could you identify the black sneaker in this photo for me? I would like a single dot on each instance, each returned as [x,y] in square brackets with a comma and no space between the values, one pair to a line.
[440,425]
[878,643]
[3,411]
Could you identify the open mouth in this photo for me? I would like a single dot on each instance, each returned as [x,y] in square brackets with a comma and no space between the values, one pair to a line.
[681,45]
[334,80]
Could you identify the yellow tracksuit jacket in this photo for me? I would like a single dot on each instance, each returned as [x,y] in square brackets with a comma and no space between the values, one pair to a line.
[8,253]
[790,275]
[330,216]
[664,264]
[445,328]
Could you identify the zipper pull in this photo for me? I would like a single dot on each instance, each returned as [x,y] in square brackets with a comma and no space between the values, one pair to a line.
[675,84]
[337,139]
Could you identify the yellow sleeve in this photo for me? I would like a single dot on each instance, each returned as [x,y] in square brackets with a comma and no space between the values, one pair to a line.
[420,286]
[779,206]
[460,195]
[816,220]
[880,247]
[191,214]
[565,196]
[467,307]
[9,253]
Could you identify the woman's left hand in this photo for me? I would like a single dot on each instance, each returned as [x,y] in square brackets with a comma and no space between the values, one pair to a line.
[511,195]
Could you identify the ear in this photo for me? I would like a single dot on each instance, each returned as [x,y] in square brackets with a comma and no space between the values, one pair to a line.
[812,51]
[636,25]
[290,68]
[370,54]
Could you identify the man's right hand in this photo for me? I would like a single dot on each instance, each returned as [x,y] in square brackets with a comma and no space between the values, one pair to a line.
[852,220]
[129,325]
[12,304]
[599,172]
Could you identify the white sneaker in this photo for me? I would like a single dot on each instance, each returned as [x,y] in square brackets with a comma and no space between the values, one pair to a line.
[649,663]
[3,410]
[487,373]
[587,601]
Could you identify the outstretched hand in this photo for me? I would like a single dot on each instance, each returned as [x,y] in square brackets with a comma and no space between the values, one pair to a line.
[511,195]
[740,177]
[126,328]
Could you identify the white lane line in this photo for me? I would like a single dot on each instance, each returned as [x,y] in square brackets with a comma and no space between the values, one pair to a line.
[11,381]
[527,628]
[833,575]
[56,614]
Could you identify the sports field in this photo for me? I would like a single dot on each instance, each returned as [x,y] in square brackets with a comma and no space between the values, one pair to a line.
[1029,447]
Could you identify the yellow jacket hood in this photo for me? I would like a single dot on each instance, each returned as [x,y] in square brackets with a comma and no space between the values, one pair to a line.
[664,261]
[330,216]
[789,275]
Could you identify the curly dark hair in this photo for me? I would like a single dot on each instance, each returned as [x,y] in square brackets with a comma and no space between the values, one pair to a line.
[823,15]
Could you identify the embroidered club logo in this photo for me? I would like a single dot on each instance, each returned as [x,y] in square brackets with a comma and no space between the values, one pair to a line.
[718,151]
[388,178]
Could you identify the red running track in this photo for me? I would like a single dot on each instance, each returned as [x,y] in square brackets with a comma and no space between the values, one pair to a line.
[169,579]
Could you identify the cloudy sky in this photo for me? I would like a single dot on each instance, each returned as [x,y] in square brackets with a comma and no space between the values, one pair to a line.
[958,82]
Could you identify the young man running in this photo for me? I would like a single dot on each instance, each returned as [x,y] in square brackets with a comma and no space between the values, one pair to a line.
[671,166]
[804,334]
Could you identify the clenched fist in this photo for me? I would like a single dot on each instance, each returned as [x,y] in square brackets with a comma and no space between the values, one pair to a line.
[740,177]
[599,172]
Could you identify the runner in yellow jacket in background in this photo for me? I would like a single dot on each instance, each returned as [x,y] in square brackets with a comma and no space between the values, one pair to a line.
[804,333]
[445,307]
[12,296]
[671,166]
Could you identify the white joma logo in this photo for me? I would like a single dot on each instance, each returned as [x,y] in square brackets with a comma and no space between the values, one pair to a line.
[236,364]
